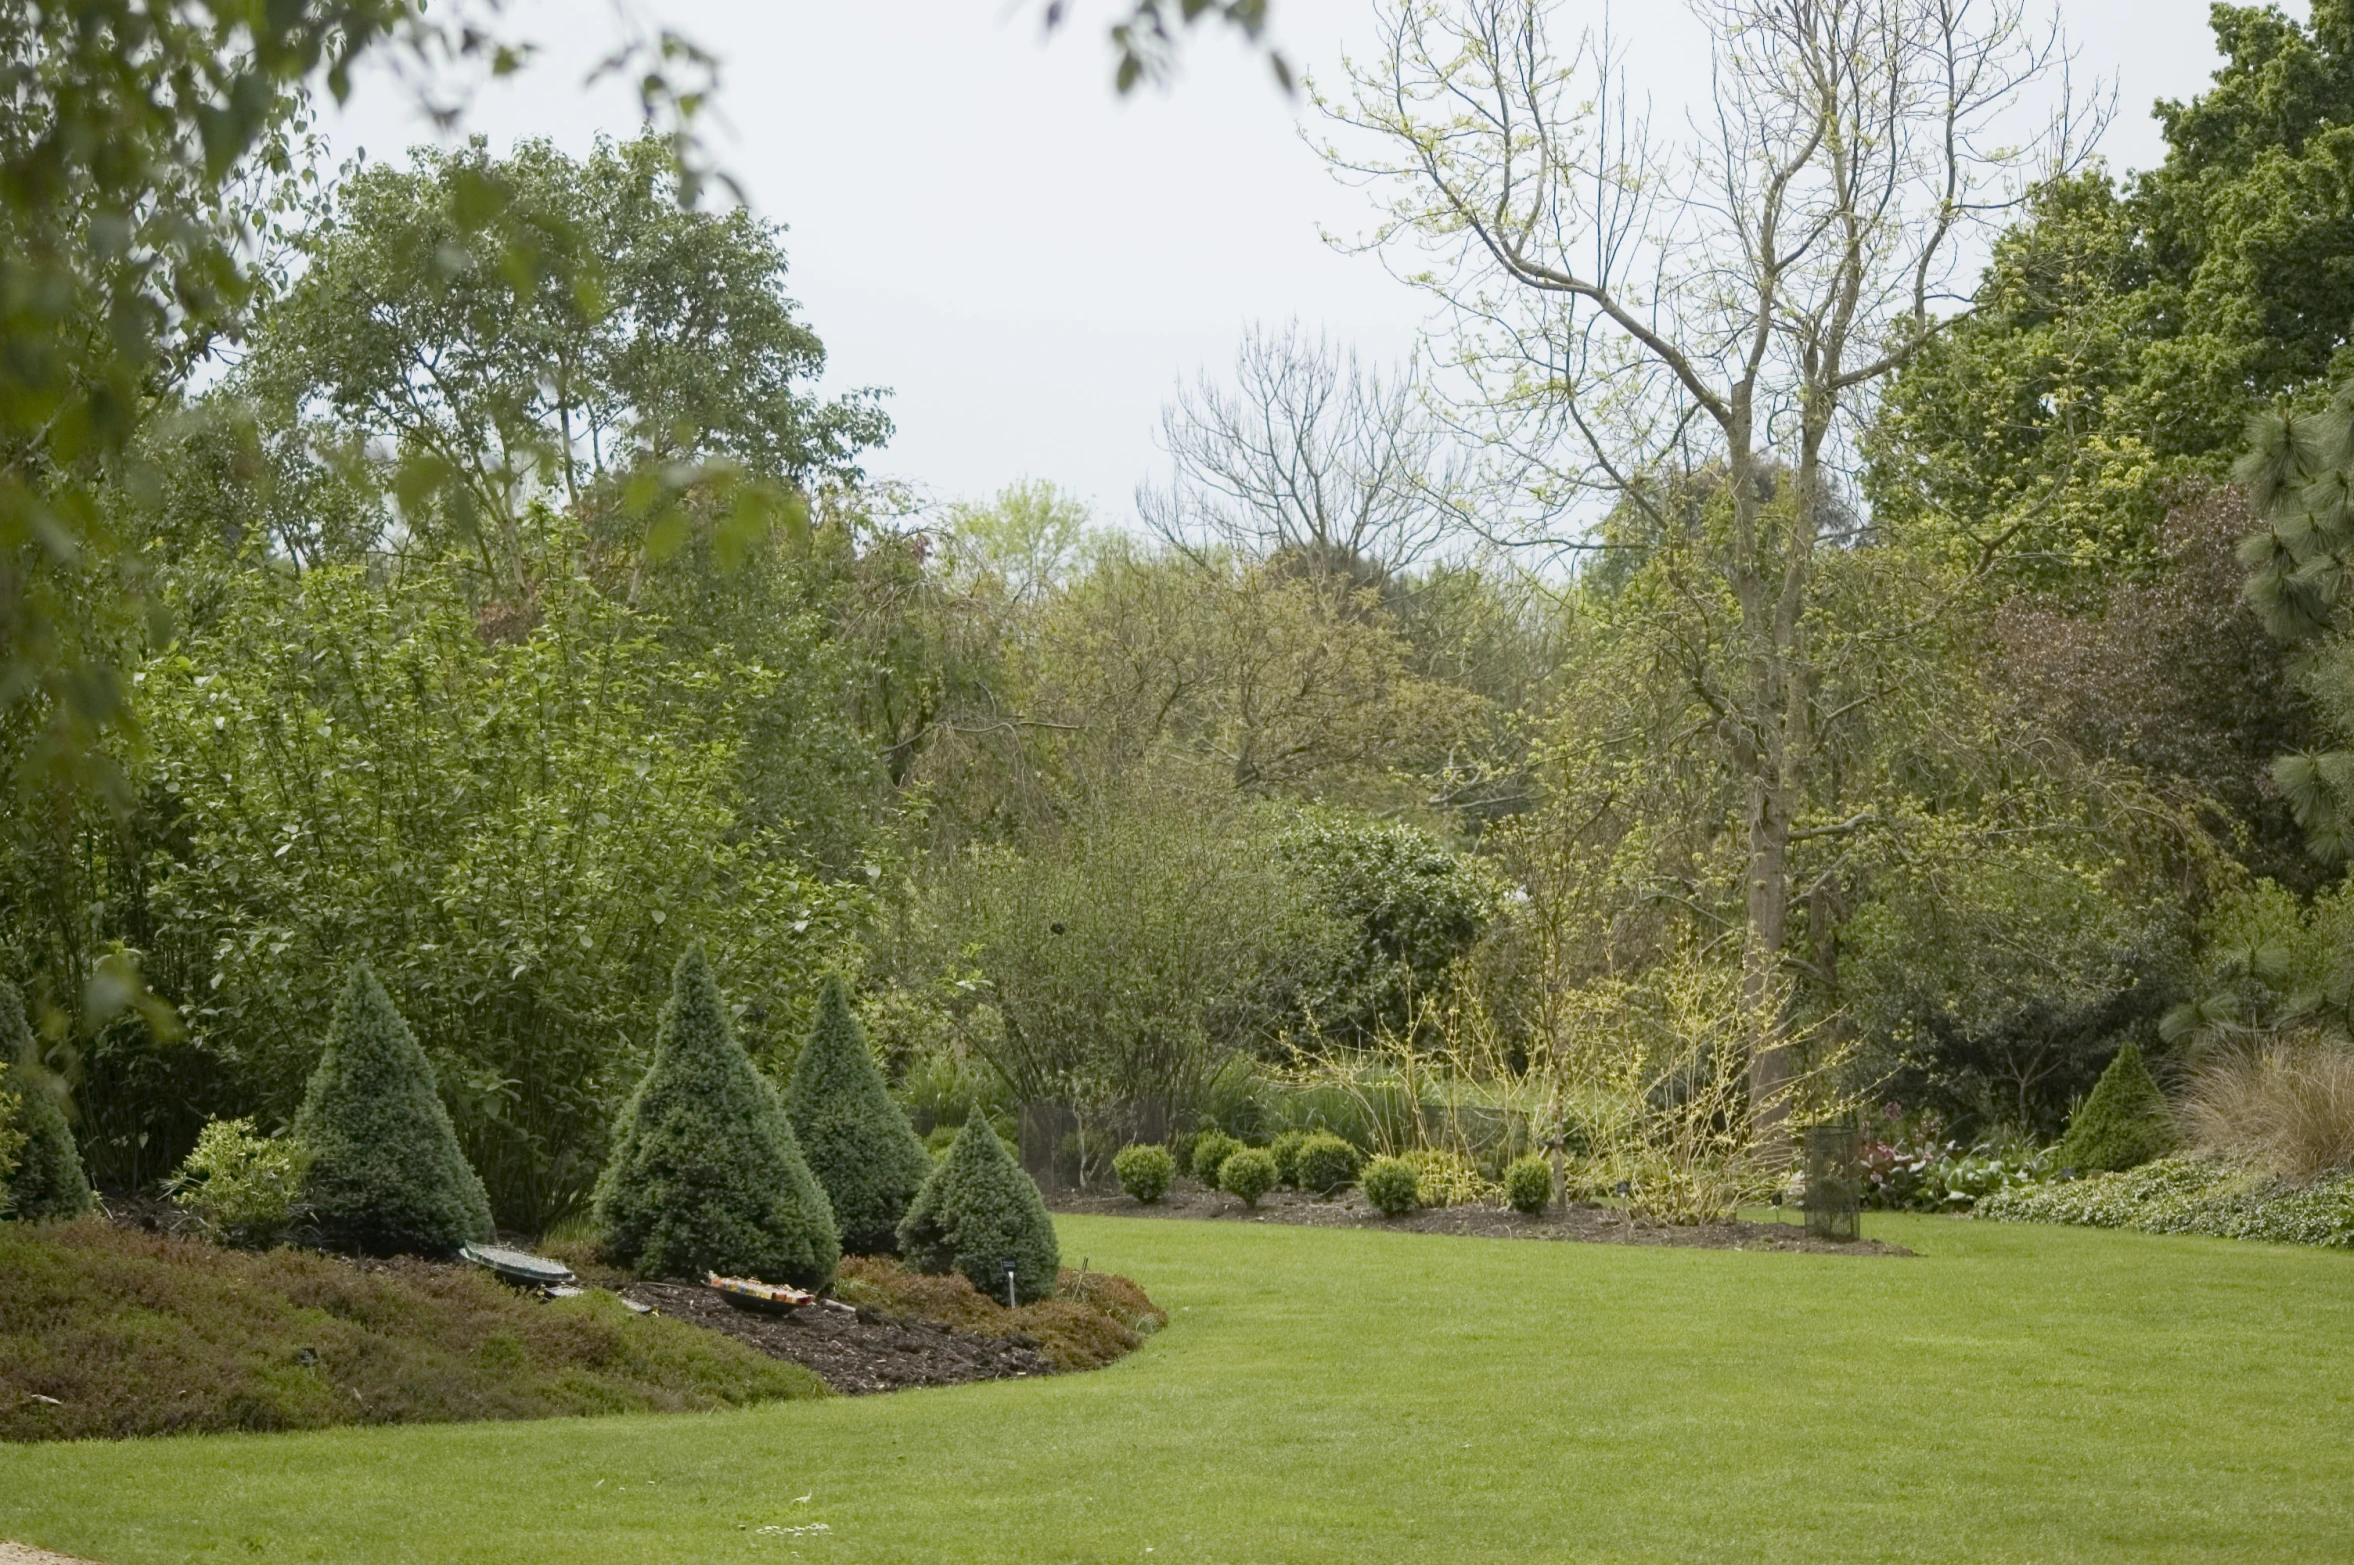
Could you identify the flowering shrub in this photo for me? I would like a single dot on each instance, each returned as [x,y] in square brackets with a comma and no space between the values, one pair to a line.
[1907,1168]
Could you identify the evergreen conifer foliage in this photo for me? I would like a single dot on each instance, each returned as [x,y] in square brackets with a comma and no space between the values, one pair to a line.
[977,1209]
[2125,1122]
[706,1174]
[387,1176]
[48,1181]
[858,1142]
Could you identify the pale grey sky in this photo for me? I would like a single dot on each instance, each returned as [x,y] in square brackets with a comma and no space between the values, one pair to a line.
[1030,263]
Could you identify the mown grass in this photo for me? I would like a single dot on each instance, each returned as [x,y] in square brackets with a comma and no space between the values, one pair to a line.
[105,1331]
[2014,1394]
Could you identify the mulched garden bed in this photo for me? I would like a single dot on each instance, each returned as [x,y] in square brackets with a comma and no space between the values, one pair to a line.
[931,1332]
[853,1352]
[1579,1223]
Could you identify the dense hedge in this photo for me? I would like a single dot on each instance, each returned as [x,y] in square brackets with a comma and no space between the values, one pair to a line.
[2125,1122]
[386,1175]
[857,1141]
[48,1181]
[978,1209]
[706,1174]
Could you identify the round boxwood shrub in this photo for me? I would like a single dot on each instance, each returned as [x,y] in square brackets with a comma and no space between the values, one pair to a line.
[1388,1183]
[1144,1171]
[1325,1163]
[1249,1173]
[1285,1149]
[47,1181]
[386,1174]
[2123,1124]
[1211,1149]
[856,1140]
[1528,1184]
[706,1175]
[977,1209]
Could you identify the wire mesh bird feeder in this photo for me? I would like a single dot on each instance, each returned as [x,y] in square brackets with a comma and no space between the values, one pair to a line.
[1834,1181]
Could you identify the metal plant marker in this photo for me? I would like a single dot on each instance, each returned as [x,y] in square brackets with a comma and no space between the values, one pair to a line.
[1834,1181]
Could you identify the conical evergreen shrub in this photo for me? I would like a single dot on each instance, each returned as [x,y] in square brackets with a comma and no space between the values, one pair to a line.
[706,1174]
[48,1181]
[386,1174]
[858,1142]
[977,1209]
[2125,1122]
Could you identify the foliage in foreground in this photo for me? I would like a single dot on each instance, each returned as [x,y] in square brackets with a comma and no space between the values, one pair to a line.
[46,1180]
[147,1334]
[2222,1197]
[386,1175]
[857,1141]
[706,1174]
[2124,1123]
[977,1211]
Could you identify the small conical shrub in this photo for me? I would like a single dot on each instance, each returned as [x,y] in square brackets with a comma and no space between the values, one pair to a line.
[386,1174]
[2125,1122]
[858,1143]
[978,1209]
[705,1173]
[48,1180]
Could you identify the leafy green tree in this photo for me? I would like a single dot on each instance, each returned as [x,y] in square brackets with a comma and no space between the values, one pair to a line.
[386,1174]
[705,1172]
[977,1211]
[857,1141]
[2125,1122]
[46,1179]
[534,327]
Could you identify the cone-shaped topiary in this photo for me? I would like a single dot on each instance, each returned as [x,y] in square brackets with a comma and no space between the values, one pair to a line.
[48,1180]
[978,1209]
[858,1143]
[2125,1122]
[705,1173]
[386,1174]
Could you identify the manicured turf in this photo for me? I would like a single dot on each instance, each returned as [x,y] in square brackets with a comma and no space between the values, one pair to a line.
[2015,1394]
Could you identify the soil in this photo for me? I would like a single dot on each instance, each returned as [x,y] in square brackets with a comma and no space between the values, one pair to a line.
[853,1351]
[20,1554]
[1580,1222]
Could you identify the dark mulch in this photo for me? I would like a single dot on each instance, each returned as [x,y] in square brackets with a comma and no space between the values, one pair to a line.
[1581,1223]
[853,1351]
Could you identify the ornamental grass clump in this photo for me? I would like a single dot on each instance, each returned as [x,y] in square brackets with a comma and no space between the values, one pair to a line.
[1248,1174]
[386,1175]
[243,1187]
[2124,1123]
[977,1211]
[47,1181]
[1144,1171]
[1325,1163]
[706,1174]
[856,1140]
[2290,1106]
[1528,1184]
[1388,1183]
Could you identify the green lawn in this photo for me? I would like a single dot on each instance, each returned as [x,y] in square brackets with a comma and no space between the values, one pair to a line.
[2016,1393]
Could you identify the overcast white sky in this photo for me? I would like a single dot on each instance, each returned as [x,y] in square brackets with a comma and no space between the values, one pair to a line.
[1030,263]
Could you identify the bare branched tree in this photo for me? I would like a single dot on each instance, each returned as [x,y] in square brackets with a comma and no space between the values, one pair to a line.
[1628,306]
[1308,458]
